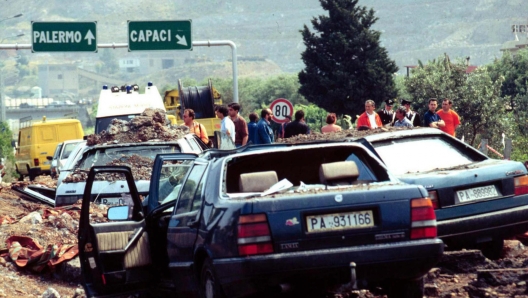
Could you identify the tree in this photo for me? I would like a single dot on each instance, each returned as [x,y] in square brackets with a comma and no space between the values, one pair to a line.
[514,71]
[476,97]
[345,64]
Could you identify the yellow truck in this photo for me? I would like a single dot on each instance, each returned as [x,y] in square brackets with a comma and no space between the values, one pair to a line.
[201,99]
[37,140]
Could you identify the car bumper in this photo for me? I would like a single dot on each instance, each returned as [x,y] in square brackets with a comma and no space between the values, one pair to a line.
[484,227]
[403,260]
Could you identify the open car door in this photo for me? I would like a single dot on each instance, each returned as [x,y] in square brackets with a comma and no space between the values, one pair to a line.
[114,250]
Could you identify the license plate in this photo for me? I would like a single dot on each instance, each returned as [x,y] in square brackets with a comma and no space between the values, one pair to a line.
[112,201]
[477,193]
[339,221]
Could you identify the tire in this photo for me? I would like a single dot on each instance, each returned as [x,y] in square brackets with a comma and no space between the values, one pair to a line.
[413,288]
[20,176]
[33,173]
[209,286]
[493,249]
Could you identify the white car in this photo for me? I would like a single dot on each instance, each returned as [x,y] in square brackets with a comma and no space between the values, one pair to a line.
[67,166]
[70,192]
[62,152]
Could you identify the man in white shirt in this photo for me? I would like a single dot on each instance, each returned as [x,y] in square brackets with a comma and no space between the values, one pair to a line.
[227,125]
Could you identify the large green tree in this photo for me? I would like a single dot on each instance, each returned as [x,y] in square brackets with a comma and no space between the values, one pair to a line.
[514,71]
[345,63]
[476,97]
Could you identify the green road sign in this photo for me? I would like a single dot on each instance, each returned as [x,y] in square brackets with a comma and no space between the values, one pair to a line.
[64,36]
[159,35]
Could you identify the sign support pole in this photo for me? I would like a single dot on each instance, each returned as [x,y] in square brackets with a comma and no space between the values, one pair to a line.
[209,43]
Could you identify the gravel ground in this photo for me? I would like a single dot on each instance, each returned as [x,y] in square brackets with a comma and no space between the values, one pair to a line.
[463,273]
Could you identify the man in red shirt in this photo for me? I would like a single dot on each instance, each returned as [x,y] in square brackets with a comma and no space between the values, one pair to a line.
[450,117]
[369,119]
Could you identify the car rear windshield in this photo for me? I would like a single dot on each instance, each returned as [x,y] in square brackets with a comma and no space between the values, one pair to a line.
[133,155]
[413,155]
[68,148]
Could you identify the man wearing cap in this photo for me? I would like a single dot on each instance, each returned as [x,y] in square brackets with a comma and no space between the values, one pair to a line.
[387,115]
[450,117]
[369,119]
[411,115]
[431,118]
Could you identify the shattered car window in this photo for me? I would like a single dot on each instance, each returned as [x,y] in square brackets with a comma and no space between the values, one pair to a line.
[171,179]
[107,194]
[110,156]
[414,155]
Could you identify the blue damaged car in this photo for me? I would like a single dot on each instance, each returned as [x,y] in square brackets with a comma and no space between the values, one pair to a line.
[236,224]
[478,201]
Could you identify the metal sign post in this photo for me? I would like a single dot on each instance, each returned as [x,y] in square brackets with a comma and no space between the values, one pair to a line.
[209,43]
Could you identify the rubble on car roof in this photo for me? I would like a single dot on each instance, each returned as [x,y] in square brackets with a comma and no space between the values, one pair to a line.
[336,136]
[149,126]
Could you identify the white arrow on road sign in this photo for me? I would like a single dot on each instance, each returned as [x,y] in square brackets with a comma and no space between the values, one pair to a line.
[89,36]
[181,40]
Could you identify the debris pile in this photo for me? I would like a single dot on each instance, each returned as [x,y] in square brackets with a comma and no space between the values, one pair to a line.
[141,170]
[464,273]
[337,136]
[149,126]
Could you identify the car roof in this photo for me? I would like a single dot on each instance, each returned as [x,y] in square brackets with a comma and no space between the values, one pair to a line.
[351,134]
[72,141]
[407,132]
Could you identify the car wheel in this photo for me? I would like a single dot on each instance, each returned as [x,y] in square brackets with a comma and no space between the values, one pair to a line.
[20,176]
[33,173]
[493,249]
[413,288]
[209,286]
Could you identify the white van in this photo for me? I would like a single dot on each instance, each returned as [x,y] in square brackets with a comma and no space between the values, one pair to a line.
[125,103]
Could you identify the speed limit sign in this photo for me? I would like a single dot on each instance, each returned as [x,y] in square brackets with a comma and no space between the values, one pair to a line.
[280,108]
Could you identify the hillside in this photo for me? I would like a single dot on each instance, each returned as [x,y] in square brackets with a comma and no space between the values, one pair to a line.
[412,29]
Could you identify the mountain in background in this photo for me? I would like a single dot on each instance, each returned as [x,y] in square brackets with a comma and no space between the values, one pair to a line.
[412,30]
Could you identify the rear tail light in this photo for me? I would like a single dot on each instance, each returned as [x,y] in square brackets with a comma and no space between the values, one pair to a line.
[521,185]
[433,195]
[423,219]
[254,237]
[36,162]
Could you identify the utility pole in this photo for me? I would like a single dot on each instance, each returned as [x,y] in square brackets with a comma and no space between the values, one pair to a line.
[2,99]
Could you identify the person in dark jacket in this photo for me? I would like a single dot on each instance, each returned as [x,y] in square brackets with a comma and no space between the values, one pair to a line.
[253,128]
[386,114]
[265,133]
[296,127]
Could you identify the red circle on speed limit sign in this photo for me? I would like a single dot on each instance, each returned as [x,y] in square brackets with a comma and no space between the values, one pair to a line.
[280,108]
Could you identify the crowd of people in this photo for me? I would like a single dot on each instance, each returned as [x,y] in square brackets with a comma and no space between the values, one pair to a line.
[445,119]
[260,131]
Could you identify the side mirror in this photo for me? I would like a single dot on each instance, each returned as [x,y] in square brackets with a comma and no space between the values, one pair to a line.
[49,158]
[119,212]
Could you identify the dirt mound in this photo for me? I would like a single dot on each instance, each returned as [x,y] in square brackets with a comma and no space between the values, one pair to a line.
[149,126]
[141,170]
[340,135]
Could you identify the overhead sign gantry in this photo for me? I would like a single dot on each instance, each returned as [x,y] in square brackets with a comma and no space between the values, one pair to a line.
[64,36]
